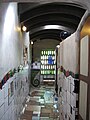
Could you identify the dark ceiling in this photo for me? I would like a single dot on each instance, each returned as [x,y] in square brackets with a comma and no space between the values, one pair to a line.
[35,16]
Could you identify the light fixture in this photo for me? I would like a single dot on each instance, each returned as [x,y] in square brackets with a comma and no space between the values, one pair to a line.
[64,35]
[31,42]
[58,46]
[24,28]
[51,26]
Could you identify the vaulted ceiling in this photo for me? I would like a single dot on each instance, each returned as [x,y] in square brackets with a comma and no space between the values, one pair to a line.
[36,16]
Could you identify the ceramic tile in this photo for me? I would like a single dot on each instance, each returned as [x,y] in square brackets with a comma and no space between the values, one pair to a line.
[1,111]
[41,104]
[35,118]
[33,108]
[35,98]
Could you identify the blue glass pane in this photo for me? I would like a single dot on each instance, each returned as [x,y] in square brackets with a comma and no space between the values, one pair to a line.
[50,61]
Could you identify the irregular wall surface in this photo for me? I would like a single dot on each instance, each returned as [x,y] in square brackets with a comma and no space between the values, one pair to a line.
[13,88]
[68,79]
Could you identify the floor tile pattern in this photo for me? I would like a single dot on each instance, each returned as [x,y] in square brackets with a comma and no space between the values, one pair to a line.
[41,105]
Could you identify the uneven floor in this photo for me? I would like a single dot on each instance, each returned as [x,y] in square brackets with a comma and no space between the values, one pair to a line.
[41,105]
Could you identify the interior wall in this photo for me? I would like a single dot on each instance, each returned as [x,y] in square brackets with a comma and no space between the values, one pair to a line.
[39,45]
[68,79]
[69,52]
[14,90]
[11,40]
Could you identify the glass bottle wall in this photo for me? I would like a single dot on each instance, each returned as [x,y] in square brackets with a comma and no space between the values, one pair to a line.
[48,64]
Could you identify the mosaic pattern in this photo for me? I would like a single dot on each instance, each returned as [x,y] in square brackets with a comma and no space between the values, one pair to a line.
[68,78]
[13,95]
[68,96]
[9,75]
[41,105]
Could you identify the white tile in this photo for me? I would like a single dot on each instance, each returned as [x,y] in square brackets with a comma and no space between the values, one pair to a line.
[6,89]
[38,118]
[68,109]
[10,80]
[12,116]
[15,114]
[75,95]
[3,118]
[72,80]
[73,114]
[68,97]
[67,84]
[65,108]
[69,81]
[1,96]
[64,96]
[6,116]
[1,111]
[12,104]
[64,84]
[72,88]
[60,83]
[67,117]
[73,100]
[10,112]
[6,104]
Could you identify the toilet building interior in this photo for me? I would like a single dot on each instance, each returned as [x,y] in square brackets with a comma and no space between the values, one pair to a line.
[45,60]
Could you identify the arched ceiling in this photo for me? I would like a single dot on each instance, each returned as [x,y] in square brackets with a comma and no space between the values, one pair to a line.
[37,16]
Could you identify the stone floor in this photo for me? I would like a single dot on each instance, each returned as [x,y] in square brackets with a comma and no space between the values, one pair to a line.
[41,105]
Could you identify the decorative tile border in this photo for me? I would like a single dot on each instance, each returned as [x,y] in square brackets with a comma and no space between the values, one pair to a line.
[9,75]
[75,90]
[67,73]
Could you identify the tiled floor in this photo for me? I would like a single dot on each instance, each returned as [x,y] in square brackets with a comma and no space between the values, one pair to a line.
[41,105]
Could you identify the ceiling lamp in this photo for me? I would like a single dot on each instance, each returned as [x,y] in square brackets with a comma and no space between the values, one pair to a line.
[31,42]
[64,35]
[24,28]
[58,46]
[51,27]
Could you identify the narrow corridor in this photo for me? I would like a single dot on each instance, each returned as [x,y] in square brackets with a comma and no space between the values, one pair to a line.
[45,41]
[41,105]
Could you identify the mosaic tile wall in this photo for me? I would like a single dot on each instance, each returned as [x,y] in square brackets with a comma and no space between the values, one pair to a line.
[68,97]
[14,89]
[13,94]
[68,78]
